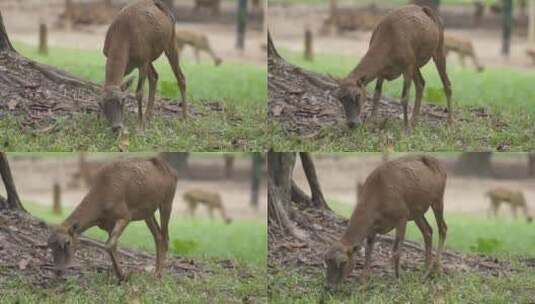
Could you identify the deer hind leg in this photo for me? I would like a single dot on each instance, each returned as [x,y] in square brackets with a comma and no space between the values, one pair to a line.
[139,94]
[440,62]
[211,212]
[111,246]
[427,233]
[165,215]
[172,56]
[158,239]
[153,82]
[438,210]
[370,243]
[513,209]
[419,83]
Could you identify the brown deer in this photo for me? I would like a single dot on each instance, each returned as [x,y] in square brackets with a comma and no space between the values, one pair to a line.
[463,47]
[214,5]
[212,200]
[123,191]
[198,41]
[403,42]
[514,198]
[396,192]
[140,33]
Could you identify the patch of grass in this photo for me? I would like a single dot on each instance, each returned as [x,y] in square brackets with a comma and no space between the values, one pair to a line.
[505,93]
[243,240]
[241,126]
[294,287]
[503,237]
[219,286]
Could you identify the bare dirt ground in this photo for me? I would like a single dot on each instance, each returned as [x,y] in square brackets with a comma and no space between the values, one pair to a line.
[338,177]
[35,178]
[221,36]
[287,25]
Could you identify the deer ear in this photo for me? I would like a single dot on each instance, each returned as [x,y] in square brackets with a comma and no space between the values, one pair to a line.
[127,83]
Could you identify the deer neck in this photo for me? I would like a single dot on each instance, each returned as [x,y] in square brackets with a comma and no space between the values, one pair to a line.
[116,64]
[84,216]
[359,227]
[368,68]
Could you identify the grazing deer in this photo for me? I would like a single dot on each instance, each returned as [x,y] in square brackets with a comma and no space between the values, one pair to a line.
[403,42]
[463,47]
[212,200]
[531,54]
[514,198]
[199,42]
[122,192]
[214,5]
[396,192]
[140,33]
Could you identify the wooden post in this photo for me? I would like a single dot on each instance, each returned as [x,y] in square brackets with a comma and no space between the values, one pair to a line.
[507,26]
[43,39]
[56,207]
[241,24]
[531,23]
[309,51]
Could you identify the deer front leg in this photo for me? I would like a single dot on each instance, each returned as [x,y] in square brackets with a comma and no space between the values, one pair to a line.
[111,246]
[419,84]
[376,98]
[139,95]
[370,242]
[153,81]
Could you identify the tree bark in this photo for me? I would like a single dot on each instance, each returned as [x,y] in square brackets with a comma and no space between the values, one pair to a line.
[283,192]
[256,176]
[13,201]
[178,160]
[5,44]
[318,201]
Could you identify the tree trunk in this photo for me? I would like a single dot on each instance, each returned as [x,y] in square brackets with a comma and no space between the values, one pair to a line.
[178,160]
[283,191]
[317,201]
[475,163]
[5,44]
[241,23]
[256,176]
[13,201]
[507,26]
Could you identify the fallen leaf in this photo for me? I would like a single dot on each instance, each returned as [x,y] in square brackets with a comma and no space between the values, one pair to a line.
[123,141]
[23,264]
[12,104]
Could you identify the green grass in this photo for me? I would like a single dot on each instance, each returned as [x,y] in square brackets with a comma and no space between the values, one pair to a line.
[505,92]
[294,287]
[240,87]
[244,242]
[219,286]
